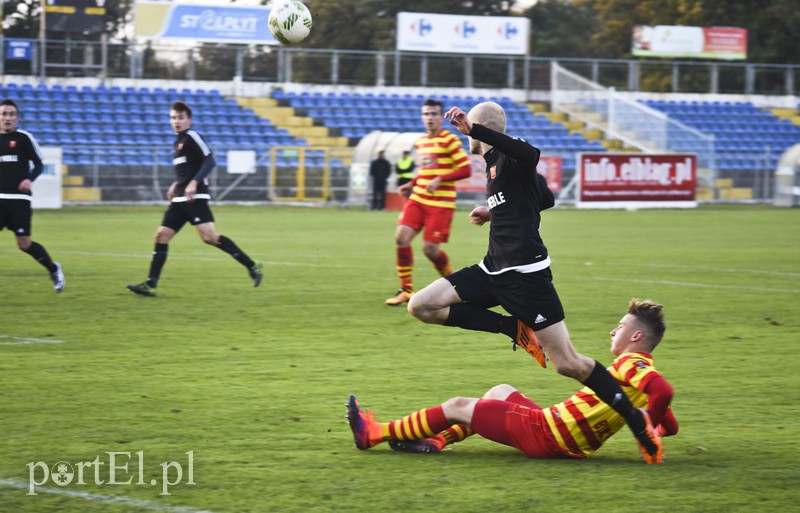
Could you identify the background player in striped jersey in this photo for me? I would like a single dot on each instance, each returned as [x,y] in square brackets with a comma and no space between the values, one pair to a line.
[432,201]
[18,150]
[574,428]
[515,273]
[189,196]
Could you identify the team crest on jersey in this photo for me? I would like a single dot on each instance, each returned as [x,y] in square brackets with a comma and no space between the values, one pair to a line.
[180,146]
[641,365]
[12,144]
[493,172]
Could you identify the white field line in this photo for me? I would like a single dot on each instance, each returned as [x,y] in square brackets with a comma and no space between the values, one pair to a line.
[689,284]
[216,258]
[714,268]
[23,341]
[110,499]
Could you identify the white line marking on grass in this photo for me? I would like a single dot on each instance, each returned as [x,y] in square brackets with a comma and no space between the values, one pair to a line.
[749,270]
[693,284]
[22,341]
[208,259]
[139,503]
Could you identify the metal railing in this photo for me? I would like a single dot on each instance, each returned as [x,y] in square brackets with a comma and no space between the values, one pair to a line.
[263,63]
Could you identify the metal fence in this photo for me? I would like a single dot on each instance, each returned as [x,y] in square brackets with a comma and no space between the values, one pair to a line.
[273,178]
[263,63]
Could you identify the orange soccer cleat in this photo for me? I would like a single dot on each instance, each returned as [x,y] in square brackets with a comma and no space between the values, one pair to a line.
[649,442]
[366,432]
[401,297]
[526,339]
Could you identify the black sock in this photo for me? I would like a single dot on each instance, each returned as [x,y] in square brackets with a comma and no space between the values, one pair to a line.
[157,263]
[472,317]
[39,254]
[608,390]
[230,247]
[508,326]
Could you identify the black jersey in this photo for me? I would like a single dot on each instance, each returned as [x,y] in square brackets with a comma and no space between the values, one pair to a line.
[20,158]
[516,194]
[191,161]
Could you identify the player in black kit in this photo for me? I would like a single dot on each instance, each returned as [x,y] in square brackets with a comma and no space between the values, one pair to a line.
[18,150]
[189,196]
[515,273]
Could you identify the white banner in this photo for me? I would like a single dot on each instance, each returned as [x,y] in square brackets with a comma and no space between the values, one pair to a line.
[450,33]
[46,189]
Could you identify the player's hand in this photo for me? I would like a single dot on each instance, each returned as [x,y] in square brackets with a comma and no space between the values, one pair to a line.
[171,191]
[405,189]
[479,215]
[433,185]
[25,186]
[191,190]
[458,118]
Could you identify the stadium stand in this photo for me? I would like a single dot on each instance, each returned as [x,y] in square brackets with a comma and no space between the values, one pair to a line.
[746,137]
[355,115]
[108,127]
[125,124]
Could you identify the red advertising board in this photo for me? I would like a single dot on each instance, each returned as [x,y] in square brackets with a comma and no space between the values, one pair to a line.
[549,167]
[725,40]
[618,180]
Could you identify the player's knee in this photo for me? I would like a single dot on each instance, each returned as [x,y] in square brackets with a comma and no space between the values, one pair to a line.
[415,306]
[432,252]
[500,392]
[458,403]
[570,369]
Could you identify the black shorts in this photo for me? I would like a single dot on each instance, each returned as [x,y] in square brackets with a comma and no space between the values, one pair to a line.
[530,297]
[192,212]
[15,214]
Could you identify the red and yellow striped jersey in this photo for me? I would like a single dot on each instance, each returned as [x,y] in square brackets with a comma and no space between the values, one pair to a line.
[582,423]
[439,155]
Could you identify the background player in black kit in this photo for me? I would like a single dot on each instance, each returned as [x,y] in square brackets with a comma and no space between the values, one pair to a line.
[515,273]
[19,149]
[189,196]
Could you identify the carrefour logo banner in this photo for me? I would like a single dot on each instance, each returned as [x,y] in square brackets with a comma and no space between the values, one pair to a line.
[450,33]
[213,23]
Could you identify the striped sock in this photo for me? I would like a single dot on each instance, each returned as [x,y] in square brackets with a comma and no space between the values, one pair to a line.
[405,268]
[420,424]
[442,264]
[455,433]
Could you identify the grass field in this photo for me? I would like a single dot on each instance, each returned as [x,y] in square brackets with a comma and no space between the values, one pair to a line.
[251,382]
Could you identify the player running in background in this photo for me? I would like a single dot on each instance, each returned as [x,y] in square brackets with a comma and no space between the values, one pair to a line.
[189,196]
[515,273]
[574,428]
[432,201]
[20,164]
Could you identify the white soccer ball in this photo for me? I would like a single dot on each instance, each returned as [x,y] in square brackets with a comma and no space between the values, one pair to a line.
[290,22]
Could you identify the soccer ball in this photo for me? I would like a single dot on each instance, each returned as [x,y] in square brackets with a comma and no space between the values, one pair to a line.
[290,22]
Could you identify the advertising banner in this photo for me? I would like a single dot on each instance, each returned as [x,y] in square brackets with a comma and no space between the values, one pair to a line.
[450,33]
[19,49]
[75,16]
[549,167]
[636,180]
[211,23]
[46,189]
[725,43]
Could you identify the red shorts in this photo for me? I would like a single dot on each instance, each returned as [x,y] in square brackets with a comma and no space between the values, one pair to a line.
[435,220]
[517,426]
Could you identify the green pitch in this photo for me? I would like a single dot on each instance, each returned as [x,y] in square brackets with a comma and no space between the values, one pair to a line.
[250,383]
